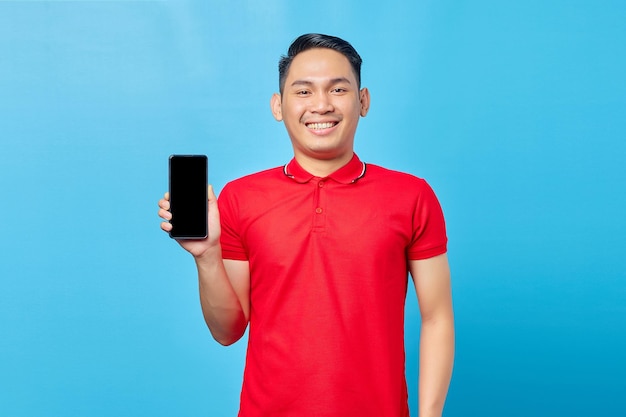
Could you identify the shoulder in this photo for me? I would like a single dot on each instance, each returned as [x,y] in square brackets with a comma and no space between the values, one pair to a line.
[251,181]
[393,178]
[245,193]
[400,187]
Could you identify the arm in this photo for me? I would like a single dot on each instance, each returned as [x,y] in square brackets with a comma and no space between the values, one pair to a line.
[432,285]
[224,285]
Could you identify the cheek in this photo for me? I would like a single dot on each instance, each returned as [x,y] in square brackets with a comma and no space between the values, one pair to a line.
[292,113]
[291,120]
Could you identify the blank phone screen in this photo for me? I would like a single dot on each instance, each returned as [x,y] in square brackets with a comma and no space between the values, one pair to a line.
[188,196]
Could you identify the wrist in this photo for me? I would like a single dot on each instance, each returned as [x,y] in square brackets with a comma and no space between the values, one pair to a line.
[210,255]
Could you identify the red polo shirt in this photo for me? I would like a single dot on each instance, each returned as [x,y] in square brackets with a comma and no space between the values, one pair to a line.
[328,276]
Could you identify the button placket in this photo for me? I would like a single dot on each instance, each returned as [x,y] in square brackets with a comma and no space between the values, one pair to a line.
[319,212]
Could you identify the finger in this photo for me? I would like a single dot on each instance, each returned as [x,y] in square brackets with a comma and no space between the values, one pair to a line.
[166,196]
[164,204]
[212,196]
[166,226]
[165,215]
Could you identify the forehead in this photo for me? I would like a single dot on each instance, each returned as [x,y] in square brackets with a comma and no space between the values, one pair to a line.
[320,64]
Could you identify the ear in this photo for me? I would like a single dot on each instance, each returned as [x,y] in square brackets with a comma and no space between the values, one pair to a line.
[276,106]
[365,101]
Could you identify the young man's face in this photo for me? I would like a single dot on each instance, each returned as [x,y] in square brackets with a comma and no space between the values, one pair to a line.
[321,105]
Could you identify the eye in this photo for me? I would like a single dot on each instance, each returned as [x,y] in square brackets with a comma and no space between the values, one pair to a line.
[303,93]
[338,90]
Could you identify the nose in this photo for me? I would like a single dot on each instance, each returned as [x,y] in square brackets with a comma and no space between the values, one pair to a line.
[321,103]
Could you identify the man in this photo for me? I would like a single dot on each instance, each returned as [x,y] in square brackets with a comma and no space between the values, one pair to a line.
[315,256]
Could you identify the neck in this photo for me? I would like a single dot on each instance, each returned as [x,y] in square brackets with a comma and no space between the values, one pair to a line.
[323,167]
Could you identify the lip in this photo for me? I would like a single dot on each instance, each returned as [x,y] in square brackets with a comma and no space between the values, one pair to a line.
[321,127]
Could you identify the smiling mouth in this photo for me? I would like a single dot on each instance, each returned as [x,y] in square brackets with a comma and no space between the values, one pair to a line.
[320,126]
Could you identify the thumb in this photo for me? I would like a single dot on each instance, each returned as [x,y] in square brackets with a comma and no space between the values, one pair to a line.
[211,193]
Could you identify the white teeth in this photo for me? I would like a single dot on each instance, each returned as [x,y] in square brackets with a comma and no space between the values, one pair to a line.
[320,125]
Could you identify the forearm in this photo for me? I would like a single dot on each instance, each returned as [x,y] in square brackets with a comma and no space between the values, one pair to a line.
[221,307]
[436,362]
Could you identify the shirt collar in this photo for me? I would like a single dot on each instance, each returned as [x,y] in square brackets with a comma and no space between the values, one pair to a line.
[351,172]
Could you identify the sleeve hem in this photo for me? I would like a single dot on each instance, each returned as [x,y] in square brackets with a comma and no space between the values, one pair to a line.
[428,253]
[234,256]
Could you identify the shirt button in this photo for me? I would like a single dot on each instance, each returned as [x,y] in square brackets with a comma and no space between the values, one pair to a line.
[319,210]
[320,184]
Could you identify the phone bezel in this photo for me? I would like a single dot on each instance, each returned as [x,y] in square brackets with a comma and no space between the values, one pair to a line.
[173,159]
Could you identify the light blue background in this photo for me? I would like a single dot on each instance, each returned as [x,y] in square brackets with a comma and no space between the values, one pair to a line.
[515,112]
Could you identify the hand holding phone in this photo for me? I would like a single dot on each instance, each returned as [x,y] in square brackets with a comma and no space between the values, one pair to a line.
[188,178]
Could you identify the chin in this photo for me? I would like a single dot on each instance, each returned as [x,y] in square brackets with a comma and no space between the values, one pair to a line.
[327,154]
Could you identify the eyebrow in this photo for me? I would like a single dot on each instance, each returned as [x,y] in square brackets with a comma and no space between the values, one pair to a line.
[332,81]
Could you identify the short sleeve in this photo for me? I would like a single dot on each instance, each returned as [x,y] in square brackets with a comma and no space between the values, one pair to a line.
[232,245]
[429,237]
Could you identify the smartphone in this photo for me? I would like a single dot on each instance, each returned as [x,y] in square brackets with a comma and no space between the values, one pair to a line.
[188,178]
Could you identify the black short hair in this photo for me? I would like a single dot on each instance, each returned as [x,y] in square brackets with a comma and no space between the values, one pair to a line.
[317,40]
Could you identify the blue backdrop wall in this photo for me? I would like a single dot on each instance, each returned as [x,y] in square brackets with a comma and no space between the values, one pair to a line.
[513,111]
